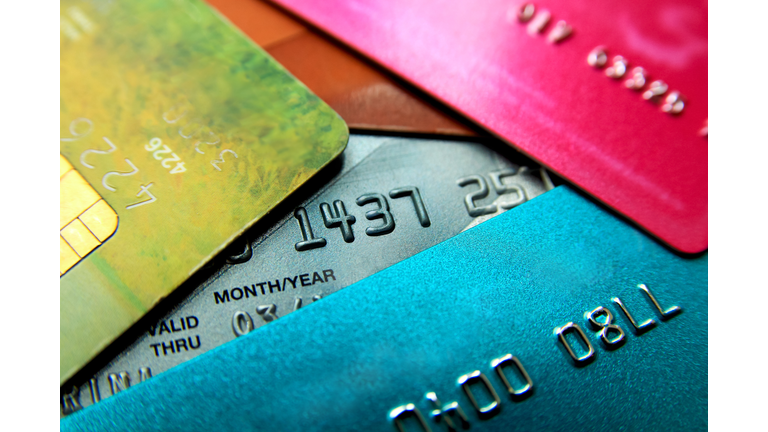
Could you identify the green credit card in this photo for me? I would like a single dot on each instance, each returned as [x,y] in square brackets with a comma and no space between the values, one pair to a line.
[177,134]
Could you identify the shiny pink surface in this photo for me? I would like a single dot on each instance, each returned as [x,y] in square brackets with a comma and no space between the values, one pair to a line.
[545,99]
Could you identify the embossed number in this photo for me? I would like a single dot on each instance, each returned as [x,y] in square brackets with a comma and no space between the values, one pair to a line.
[268,312]
[655,90]
[308,238]
[117,173]
[380,213]
[497,179]
[112,148]
[76,131]
[466,381]
[154,144]
[143,190]
[340,219]
[418,203]
[674,103]
[469,200]
[166,161]
[562,331]
[242,323]
[606,326]
[637,81]
[164,150]
[216,162]
[179,168]
[399,414]
[498,365]
[618,69]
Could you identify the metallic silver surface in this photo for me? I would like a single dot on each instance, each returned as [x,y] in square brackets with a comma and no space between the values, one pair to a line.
[391,198]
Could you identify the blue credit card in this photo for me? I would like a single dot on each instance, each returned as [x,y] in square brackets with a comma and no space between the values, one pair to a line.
[555,315]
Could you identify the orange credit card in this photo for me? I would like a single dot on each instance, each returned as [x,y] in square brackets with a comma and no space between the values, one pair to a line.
[362,95]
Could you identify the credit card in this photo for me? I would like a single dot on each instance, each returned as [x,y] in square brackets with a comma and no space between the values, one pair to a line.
[390,199]
[365,97]
[556,315]
[611,95]
[177,134]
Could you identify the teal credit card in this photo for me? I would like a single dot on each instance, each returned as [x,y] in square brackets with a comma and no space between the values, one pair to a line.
[555,315]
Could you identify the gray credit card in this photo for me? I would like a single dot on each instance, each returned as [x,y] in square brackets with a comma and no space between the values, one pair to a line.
[390,199]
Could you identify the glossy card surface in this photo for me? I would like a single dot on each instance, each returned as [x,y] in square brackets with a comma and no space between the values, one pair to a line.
[301,259]
[631,137]
[363,96]
[469,328]
[181,133]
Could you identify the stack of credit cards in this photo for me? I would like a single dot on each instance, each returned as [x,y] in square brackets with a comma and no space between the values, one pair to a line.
[553,277]
[177,134]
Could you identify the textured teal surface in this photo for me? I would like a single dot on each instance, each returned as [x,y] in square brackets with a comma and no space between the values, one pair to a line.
[343,363]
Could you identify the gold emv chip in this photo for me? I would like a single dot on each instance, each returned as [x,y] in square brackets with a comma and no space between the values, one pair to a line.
[86,220]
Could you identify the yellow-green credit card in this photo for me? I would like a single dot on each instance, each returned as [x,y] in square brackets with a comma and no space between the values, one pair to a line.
[177,134]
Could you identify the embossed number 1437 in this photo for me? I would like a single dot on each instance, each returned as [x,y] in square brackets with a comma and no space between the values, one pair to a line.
[337,217]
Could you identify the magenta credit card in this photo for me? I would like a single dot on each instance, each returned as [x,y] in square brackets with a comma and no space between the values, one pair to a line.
[611,95]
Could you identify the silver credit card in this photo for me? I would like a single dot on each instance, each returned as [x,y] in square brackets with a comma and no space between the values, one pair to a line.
[391,198]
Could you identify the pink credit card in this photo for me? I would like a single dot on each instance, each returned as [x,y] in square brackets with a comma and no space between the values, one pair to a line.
[611,95]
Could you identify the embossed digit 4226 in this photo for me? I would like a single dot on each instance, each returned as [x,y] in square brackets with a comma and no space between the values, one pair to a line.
[157,148]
